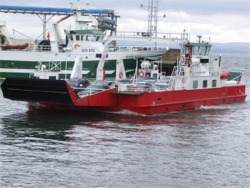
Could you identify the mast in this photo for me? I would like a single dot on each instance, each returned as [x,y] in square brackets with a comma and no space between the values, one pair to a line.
[152,17]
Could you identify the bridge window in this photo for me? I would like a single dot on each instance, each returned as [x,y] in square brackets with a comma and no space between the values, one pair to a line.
[98,55]
[77,37]
[204,83]
[195,84]
[207,50]
[195,50]
[214,83]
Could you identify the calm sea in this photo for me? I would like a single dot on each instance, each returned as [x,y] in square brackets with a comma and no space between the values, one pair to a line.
[207,147]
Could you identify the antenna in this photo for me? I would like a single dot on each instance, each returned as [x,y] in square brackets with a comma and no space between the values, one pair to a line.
[152,17]
[199,37]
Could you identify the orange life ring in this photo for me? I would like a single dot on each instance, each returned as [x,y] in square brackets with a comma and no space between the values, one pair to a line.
[141,73]
[77,45]
[120,75]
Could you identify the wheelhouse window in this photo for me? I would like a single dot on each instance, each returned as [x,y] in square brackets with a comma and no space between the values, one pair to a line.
[207,50]
[77,37]
[214,83]
[204,83]
[195,84]
[201,50]
[195,50]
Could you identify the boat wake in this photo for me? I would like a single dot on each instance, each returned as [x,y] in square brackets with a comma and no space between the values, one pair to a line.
[127,112]
[221,107]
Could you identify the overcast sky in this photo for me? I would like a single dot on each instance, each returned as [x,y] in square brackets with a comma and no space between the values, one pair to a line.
[220,20]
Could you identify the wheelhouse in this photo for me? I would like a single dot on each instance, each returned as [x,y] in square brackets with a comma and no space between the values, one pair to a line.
[85,35]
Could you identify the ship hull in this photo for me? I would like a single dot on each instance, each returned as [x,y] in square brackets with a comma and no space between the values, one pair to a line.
[157,103]
[23,64]
[42,93]
[166,101]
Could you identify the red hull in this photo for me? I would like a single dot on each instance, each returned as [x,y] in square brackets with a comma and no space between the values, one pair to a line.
[158,102]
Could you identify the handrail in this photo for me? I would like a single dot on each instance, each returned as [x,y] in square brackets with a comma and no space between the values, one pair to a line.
[159,35]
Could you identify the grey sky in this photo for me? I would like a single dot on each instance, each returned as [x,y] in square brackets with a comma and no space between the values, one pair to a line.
[191,6]
[222,20]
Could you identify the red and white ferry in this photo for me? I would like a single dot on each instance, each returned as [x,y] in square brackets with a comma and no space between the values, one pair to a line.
[196,81]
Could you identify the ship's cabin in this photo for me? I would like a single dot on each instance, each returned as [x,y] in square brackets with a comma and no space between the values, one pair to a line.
[84,36]
[196,49]
[194,53]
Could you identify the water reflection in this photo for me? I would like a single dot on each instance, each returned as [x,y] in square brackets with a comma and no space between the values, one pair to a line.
[58,124]
[75,145]
[43,124]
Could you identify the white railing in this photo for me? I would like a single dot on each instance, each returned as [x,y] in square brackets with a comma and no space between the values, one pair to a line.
[134,48]
[159,35]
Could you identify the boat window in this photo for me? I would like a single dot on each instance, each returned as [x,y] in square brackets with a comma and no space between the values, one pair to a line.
[82,37]
[214,83]
[97,38]
[207,51]
[155,75]
[204,50]
[195,84]
[93,38]
[123,49]
[195,50]
[98,55]
[204,83]
[77,37]
[87,38]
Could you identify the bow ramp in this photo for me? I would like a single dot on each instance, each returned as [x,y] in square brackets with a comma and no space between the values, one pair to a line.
[38,90]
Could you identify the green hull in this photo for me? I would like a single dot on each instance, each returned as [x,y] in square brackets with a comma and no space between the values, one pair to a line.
[25,69]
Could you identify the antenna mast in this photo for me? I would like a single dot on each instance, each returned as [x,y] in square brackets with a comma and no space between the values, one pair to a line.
[152,17]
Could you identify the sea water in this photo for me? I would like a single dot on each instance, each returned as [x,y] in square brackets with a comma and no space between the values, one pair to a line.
[206,147]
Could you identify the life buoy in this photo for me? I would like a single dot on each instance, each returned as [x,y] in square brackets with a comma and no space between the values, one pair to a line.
[77,45]
[120,75]
[141,73]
